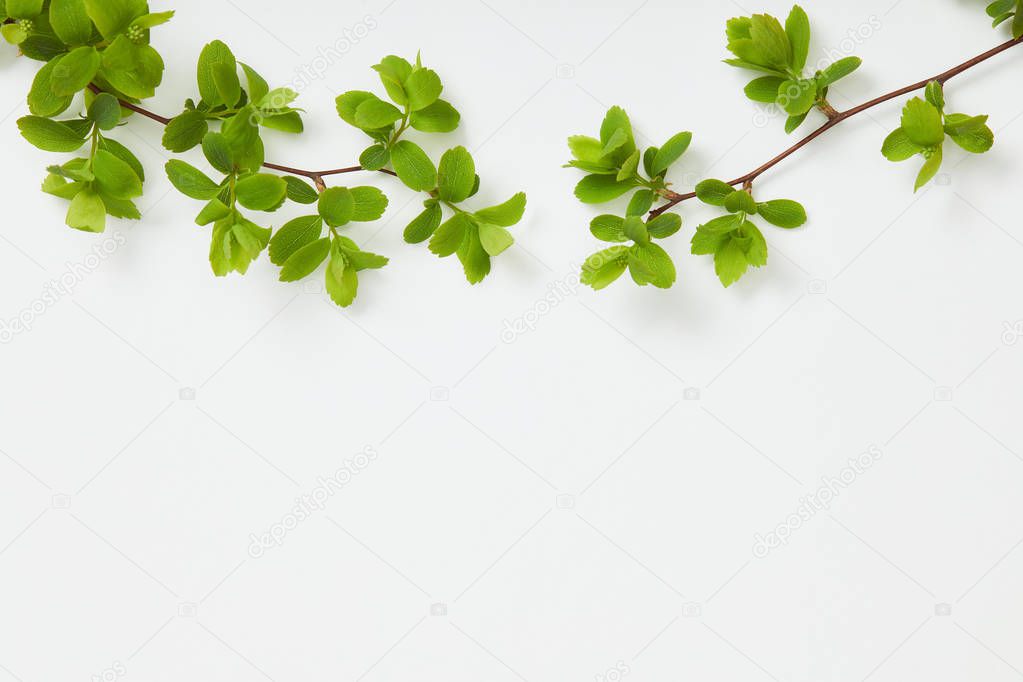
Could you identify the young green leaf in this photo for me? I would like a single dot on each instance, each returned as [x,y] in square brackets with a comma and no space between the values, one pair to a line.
[413,166]
[191,181]
[293,236]
[87,212]
[48,135]
[456,175]
[423,227]
[504,215]
[337,206]
[305,261]
[261,192]
[783,213]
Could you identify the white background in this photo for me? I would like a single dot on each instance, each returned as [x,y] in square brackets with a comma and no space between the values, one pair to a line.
[584,498]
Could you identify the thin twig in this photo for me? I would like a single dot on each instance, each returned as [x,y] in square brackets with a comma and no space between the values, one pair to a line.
[315,176]
[675,198]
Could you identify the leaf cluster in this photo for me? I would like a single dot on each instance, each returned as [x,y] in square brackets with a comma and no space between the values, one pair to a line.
[1004,10]
[734,240]
[615,166]
[760,43]
[924,128]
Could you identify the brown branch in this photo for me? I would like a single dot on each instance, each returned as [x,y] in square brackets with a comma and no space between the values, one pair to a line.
[315,176]
[674,199]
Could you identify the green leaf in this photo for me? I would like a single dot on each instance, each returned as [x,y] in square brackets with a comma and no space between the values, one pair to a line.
[764,89]
[838,70]
[374,114]
[348,104]
[370,204]
[605,267]
[797,97]
[393,73]
[935,94]
[241,134]
[931,167]
[755,246]
[24,9]
[671,152]
[425,224]
[609,228]
[475,260]
[730,262]
[191,181]
[114,177]
[771,41]
[87,212]
[797,27]
[42,100]
[185,131]
[449,236]
[586,149]
[740,201]
[641,203]
[293,236]
[342,281]
[215,58]
[337,206]
[113,16]
[218,152]
[363,260]
[599,189]
[105,111]
[970,132]
[257,86]
[707,242]
[75,70]
[505,215]
[922,123]
[70,21]
[375,158]
[305,261]
[413,166]
[898,146]
[713,192]
[456,175]
[300,191]
[134,70]
[650,264]
[227,83]
[495,240]
[723,225]
[261,192]
[629,167]
[635,229]
[439,117]
[213,211]
[793,122]
[783,213]
[616,135]
[423,87]
[48,135]
[664,225]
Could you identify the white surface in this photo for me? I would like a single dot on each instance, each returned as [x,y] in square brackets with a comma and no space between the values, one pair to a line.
[126,512]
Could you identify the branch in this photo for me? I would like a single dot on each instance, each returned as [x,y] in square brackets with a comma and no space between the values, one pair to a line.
[315,176]
[675,198]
